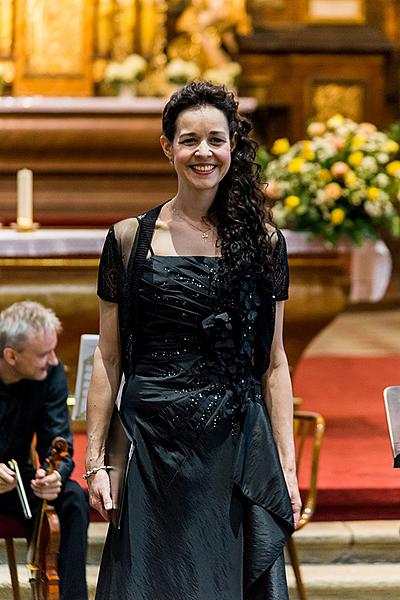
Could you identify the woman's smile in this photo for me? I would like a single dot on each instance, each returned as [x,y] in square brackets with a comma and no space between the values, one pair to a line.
[203,169]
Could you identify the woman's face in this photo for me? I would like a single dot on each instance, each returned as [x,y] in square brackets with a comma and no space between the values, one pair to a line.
[201,148]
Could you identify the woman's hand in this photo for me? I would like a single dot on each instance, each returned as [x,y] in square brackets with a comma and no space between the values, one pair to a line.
[99,493]
[294,494]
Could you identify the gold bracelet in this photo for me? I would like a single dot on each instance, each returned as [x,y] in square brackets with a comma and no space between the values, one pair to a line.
[93,471]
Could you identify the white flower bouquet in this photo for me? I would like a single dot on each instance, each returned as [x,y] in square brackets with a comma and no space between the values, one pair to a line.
[180,71]
[227,75]
[127,72]
[343,181]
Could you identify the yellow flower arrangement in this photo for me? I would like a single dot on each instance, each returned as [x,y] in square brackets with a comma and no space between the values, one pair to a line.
[292,202]
[281,146]
[343,181]
[393,168]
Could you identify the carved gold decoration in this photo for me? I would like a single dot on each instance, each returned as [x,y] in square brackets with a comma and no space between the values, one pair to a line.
[104,27]
[128,26]
[125,24]
[333,98]
[160,40]
[125,27]
[54,37]
[54,47]
[148,27]
[204,26]
[6,27]
[62,46]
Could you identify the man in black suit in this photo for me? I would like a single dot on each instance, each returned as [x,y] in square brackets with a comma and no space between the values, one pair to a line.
[33,394]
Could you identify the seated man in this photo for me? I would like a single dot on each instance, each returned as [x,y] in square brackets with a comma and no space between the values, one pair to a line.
[33,394]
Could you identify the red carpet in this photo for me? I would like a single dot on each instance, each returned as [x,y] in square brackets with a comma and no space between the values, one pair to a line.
[356,478]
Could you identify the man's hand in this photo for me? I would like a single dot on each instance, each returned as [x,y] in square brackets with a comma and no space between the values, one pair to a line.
[46,486]
[7,479]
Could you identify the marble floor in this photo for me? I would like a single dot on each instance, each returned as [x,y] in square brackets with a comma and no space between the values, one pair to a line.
[363,333]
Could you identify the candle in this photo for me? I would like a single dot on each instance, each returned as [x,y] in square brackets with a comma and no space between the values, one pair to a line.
[24,198]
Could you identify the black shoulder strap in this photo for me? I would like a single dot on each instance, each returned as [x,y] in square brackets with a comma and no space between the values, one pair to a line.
[135,268]
[139,254]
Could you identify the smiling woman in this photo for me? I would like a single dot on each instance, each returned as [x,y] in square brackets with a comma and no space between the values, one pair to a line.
[195,322]
[201,155]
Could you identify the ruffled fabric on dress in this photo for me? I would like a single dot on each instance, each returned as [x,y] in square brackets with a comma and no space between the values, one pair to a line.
[268,517]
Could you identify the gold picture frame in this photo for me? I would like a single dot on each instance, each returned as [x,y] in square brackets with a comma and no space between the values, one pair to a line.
[335,12]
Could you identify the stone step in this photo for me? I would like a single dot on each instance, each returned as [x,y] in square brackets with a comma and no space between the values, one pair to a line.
[349,560]
[322,582]
[349,582]
[23,577]
[317,543]
[349,542]
[97,534]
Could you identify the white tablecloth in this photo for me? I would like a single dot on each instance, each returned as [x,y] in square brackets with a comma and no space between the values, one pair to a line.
[51,242]
[90,105]
[371,264]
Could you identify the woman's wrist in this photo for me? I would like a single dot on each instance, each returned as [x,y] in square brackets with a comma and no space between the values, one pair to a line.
[92,472]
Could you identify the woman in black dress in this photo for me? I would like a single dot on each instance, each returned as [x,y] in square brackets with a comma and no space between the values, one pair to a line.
[212,492]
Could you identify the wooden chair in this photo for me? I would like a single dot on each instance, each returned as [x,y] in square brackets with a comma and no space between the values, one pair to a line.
[309,430]
[10,529]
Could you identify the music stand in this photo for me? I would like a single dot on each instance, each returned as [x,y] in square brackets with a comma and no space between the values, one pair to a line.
[391,396]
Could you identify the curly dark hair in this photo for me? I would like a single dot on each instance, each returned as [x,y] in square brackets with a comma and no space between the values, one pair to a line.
[240,209]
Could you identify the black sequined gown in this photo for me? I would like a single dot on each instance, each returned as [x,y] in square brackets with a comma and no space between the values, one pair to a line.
[207,511]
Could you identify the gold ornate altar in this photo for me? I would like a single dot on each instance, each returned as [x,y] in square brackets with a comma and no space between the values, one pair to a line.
[61,48]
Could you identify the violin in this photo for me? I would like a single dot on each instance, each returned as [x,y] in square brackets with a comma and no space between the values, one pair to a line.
[42,558]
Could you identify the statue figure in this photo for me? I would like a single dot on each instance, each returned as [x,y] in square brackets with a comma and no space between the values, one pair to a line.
[205,28]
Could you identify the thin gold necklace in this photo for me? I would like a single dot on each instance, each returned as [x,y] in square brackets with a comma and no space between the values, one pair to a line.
[204,233]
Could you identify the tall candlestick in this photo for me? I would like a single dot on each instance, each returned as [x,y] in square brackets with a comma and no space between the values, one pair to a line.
[24,198]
